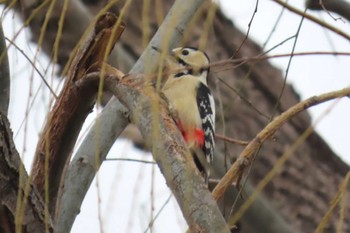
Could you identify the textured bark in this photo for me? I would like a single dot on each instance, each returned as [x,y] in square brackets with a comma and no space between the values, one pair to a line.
[169,149]
[307,183]
[176,21]
[21,206]
[4,75]
[71,108]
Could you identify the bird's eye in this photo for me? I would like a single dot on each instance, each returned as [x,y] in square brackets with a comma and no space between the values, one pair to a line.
[184,52]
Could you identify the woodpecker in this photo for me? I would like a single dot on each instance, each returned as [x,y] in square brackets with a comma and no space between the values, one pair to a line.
[192,103]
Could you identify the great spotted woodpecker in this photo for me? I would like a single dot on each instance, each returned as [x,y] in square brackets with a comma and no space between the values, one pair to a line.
[192,103]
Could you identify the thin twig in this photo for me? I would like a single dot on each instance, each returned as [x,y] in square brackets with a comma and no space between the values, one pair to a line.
[277,104]
[313,19]
[276,168]
[246,157]
[130,160]
[244,99]
[278,20]
[248,31]
[229,64]
[150,224]
[34,66]
[224,65]
[231,140]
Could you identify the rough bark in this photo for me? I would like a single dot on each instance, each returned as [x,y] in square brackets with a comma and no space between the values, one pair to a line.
[307,183]
[21,206]
[71,108]
[4,75]
[69,112]
[168,147]
[176,21]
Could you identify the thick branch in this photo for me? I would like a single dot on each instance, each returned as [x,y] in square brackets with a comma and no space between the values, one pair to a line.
[149,113]
[4,75]
[172,27]
[71,109]
[21,207]
[245,158]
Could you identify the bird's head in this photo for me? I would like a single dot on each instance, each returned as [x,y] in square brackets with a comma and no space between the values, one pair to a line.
[191,60]
[187,61]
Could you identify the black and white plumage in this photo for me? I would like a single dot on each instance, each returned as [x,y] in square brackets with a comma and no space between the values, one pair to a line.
[205,99]
[190,99]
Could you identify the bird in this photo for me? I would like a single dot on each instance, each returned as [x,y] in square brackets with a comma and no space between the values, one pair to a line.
[191,102]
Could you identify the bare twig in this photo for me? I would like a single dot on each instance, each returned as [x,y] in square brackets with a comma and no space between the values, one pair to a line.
[234,63]
[313,19]
[248,30]
[158,213]
[277,104]
[231,140]
[34,66]
[276,169]
[244,99]
[130,160]
[244,159]
[339,7]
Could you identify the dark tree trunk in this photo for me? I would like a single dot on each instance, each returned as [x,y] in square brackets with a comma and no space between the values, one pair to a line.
[20,204]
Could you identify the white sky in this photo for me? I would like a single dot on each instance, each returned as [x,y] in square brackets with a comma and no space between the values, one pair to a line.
[126,186]
[309,75]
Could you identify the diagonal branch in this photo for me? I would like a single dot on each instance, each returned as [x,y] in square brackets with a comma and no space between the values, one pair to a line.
[100,138]
[313,19]
[148,112]
[339,7]
[4,75]
[235,173]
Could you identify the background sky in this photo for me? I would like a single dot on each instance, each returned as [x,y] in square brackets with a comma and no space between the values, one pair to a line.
[126,186]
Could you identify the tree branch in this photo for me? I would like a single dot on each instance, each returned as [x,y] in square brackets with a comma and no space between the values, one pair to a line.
[148,112]
[236,171]
[4,75]
[313,19]
[21,206]
[170,30]
[339,7]
[71,109]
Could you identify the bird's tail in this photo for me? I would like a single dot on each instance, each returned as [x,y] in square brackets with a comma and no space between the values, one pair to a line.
[201,162]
